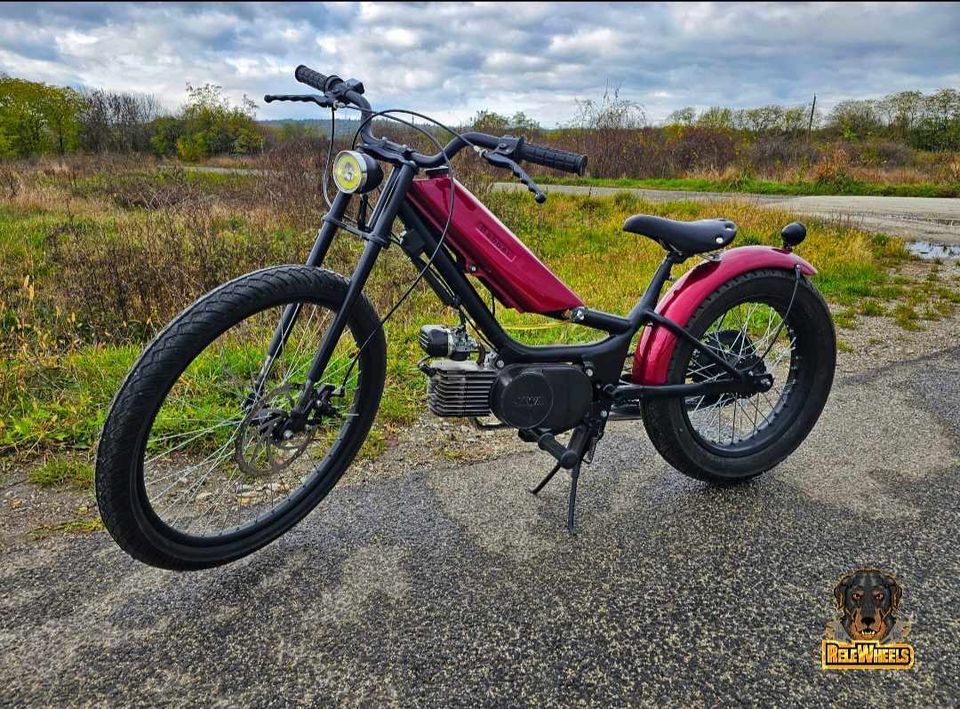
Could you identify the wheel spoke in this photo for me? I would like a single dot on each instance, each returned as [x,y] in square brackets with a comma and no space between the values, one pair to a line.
[223,474]
[740,336]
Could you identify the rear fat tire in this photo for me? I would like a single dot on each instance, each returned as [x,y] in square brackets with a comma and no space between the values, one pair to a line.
[119,474]
[669,428]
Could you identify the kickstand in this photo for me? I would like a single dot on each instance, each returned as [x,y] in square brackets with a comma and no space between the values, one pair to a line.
[572,504]
[571,510]
[582,444]
[546,478]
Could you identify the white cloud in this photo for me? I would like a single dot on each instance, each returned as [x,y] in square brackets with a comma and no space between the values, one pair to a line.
[399,37]
[452,59]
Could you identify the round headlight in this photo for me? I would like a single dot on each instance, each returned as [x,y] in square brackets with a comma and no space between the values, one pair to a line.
[356,172]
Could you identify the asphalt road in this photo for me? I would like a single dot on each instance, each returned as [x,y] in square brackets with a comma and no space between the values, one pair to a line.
[448,585]
[916,218]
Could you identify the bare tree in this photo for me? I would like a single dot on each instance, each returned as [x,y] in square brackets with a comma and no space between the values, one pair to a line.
[117,122]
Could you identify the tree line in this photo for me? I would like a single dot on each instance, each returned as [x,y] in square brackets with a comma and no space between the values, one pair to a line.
[41,119]
[38,118]
[922,121]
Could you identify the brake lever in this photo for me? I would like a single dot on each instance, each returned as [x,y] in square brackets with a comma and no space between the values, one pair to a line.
[499,160]
[319,99]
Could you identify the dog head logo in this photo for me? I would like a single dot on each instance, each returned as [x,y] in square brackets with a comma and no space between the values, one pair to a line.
[868,632]
[868,601]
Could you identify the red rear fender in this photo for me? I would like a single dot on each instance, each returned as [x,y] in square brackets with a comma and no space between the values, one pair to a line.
[656,343]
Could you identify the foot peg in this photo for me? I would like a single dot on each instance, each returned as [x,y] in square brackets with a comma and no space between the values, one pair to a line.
[566,457]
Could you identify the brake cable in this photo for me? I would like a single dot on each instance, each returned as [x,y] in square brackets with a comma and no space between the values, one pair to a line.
[443,233]
[389,114]
[324,174]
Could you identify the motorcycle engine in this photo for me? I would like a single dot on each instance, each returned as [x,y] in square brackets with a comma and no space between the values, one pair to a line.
[457,387]
[548,396]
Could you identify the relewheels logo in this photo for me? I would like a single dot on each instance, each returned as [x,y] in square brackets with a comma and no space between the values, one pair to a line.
[869,632]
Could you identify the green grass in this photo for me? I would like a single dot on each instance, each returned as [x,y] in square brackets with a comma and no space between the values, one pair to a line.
[61,471]
[73,526]
[906,316]
[53,402]
[55,387]
[845,319]
[872,308]
[754,186]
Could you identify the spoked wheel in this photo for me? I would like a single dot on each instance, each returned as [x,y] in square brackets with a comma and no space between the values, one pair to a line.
[763,322]
[753,337]
[205,454]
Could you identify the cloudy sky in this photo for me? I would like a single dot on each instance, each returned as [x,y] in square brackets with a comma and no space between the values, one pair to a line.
[453,59]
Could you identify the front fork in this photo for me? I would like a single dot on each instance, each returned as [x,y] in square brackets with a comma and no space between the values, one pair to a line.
[377,238]
[317,255]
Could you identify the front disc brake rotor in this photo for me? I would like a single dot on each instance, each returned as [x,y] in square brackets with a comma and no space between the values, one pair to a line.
[267,443]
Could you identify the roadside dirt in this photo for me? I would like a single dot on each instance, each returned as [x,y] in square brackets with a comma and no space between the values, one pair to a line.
[29,512]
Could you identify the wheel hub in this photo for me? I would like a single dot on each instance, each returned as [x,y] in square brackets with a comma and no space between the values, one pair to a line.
[737,350]
[273,434]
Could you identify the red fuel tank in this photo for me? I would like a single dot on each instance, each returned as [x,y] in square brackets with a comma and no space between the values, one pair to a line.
[492,252]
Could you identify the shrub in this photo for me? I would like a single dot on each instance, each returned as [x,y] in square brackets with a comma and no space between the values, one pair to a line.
[833,169]
[886,153]
[773,155]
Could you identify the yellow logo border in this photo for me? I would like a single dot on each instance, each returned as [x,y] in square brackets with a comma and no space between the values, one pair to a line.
[825,643]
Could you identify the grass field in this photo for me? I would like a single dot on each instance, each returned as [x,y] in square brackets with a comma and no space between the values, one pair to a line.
[771,187]
[96,257]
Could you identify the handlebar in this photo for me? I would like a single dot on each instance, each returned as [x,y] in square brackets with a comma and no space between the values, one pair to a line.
[308,98]
[552,157]
[336,90]
[306,75]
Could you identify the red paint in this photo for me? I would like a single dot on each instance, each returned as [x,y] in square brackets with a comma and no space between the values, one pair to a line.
[652,358]
[502,262]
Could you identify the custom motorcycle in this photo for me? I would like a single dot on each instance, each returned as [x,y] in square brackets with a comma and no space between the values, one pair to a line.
[248,407]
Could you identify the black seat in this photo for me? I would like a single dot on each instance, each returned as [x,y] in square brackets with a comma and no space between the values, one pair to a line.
[684,237]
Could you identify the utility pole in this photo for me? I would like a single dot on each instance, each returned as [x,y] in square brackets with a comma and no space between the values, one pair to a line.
[813,108]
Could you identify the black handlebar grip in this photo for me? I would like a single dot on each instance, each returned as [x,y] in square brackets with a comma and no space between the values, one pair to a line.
[270,98]
[551,157]
[306,75]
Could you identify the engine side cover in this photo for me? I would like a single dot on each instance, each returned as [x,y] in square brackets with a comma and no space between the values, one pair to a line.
[551,396]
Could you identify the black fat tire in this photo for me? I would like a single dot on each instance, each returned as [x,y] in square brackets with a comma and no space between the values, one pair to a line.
[669,428]
[120,453]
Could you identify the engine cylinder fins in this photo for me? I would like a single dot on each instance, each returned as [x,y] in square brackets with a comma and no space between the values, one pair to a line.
[460,389]
[549,396]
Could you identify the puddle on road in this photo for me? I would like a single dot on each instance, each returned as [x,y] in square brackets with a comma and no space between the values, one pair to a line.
[929,251]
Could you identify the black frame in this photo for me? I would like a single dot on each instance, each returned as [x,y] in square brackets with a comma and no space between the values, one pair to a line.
[604,358]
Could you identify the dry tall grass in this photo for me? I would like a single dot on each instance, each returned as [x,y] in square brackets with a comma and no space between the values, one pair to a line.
[97,255]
